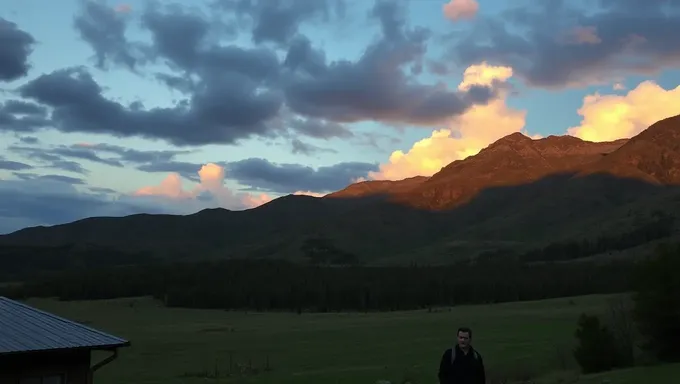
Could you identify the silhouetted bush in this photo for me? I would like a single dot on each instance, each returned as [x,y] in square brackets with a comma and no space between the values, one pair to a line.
[657,303]
[597,350]
[621,322]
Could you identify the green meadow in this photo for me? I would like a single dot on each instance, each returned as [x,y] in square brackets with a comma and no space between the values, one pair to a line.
[518,341]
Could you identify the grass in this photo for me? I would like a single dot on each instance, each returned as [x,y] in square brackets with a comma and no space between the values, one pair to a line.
[169,346]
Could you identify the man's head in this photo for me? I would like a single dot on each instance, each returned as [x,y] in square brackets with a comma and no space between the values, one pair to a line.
[464,337]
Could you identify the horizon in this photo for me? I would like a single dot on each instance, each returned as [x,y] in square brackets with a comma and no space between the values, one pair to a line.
[254,102]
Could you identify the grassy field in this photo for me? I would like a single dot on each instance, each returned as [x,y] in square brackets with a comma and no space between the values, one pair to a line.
[169,346]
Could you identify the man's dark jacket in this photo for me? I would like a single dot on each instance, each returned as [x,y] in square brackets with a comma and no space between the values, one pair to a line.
[465,369]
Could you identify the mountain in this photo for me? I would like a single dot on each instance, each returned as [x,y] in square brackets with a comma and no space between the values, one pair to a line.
[518,193]
[512,160]
[379,187]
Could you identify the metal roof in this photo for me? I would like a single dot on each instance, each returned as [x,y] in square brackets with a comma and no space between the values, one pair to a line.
[27,329]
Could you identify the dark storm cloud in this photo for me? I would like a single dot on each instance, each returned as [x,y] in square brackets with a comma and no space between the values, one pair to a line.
[69,166]
[377,86]
[46,159]
[318,128]
[279,21]
[554,43]
[101,190]
[16,46]
[224,111]
[298,147]
[288,178]
[57,154]
[9,165]
[29,140]
[185,169]
[235,93]
[58,178]
[112,155]
[103,29]
[22,116]
[121,155]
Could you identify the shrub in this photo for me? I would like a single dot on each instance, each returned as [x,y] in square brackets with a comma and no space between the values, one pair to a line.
[597,349]
[657,303]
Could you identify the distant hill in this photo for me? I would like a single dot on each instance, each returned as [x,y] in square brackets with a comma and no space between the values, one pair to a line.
[517,193]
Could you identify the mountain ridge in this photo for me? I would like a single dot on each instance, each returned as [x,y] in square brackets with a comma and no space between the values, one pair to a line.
[502,194]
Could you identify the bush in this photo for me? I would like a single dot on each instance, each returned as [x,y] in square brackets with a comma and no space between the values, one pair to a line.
[622,325]
[597,350]
[657,303]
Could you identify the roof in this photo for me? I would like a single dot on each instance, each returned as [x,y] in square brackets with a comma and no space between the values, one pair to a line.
[27,329]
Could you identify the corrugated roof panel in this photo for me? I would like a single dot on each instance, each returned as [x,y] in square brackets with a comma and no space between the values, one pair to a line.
[24,328]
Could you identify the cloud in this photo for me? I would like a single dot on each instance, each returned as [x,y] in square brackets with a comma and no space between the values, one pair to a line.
[290,178]
[279,21]
[9,165]
[252,201]
[32,200]
[16,47]
[298,147]
[45,159]
[123,8]
[617,38]
[232,93]
[221,113]
[278,178]
[582,35]
[309,193]
[210,188]
[29,139]
[612,117]
[465,135]
[22,116]
[460,9]
[58,178]
[112,155]
[103,28]
[376,87]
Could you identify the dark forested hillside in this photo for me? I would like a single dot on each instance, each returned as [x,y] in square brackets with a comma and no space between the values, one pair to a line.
[517,195]
[285,286]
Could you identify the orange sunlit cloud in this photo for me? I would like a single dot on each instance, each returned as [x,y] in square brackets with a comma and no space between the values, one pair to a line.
[460,9]
[252,201]
[170,187]
[612,117]
[211,181]
[309,193]
[123,8]
[466,135]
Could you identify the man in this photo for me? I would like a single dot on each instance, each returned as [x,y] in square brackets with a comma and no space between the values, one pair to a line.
[462,364]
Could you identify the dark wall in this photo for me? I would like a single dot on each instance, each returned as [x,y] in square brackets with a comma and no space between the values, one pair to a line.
[74,365]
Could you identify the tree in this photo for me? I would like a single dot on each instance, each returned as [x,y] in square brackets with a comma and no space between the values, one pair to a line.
[597,350]
[657,303]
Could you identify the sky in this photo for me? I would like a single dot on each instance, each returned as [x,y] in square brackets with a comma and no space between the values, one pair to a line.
[111,108]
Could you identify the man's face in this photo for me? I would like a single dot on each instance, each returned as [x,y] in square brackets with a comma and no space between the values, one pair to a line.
[463,339]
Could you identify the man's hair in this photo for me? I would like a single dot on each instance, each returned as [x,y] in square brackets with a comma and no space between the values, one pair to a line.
[465,330]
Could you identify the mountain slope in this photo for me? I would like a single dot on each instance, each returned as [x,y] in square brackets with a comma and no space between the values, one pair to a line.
[379,187]
[516,191]
[512,160]
[653,155]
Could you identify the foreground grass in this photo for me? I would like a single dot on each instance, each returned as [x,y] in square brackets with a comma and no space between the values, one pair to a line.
[517,340]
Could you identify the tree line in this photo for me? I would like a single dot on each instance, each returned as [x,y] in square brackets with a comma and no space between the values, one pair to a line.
[661,227]
[647,326]
[283,286]
[22,262]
